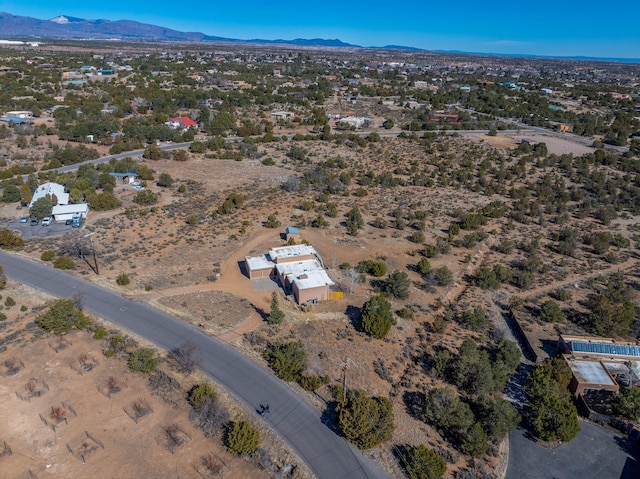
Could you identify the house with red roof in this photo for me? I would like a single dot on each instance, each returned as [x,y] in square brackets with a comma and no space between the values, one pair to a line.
[182,122]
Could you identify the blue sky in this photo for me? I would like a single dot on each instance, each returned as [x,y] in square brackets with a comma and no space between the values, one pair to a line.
[544,27]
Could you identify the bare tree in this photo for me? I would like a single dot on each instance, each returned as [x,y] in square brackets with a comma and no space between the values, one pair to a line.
[352,280]
[31,386]
[75,246]
[58,414]
[185,357]
[291,184]
[211,417]
[212,464]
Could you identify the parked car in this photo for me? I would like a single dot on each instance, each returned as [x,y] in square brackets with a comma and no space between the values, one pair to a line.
[34,221]
[47,220]
[24,219]
[68,222]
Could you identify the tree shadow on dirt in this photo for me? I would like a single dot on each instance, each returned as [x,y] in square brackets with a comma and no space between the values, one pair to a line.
[414,403]
[353,313]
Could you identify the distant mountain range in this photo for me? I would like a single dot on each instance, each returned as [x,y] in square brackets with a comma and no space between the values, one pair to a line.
[72,28]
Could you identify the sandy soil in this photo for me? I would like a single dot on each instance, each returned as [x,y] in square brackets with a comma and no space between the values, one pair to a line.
[96,434]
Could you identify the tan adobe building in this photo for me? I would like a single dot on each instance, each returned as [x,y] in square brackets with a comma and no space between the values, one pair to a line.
[600,364]
[298,269]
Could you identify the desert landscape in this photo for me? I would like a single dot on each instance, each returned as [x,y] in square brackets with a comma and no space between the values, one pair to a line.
[480,244]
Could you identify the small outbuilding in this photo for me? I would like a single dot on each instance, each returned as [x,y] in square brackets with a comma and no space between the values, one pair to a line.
[126,177]
[68,212]
[292,233]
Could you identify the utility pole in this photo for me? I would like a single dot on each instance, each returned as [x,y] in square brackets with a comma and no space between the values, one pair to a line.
[344,366]
[93,249]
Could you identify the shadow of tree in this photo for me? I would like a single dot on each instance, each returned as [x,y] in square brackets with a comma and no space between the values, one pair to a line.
[329,417]
[414,403]
[353,313]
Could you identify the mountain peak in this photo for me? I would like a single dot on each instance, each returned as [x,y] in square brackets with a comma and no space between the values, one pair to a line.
[63,20]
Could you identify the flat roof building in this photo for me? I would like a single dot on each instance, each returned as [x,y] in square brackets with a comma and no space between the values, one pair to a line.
[600,364]
[298,269]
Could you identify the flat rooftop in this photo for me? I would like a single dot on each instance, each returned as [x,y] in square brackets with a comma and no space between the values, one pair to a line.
[313,279]
[292,251]
[258,262]
[307,274]
[591,372]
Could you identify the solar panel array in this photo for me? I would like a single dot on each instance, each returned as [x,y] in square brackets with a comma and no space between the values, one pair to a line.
[605,348]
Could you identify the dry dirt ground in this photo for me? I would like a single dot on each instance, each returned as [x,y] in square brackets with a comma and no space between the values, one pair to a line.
[194,270]
[555,145]
[69,411]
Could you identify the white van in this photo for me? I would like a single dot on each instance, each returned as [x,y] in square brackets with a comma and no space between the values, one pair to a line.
[46,221]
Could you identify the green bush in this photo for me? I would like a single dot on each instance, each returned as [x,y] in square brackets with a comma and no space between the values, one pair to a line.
[551,411]
[242,438]
[64,262]
[376,317]
[288,360]
[417,237]
[443,276]
[23,308]
[377,269]
[103,201]
[398,284]
[165,180]
[311,382]
[62,317]
[474,443]
[424,266]
[99,333]
[122,279]
[365,421]
[145,197]
[9,302]
[550,312]
[201,393]
[3,317]
[9,239]
[143,360]
[562,294]
[47,255]
[419,462]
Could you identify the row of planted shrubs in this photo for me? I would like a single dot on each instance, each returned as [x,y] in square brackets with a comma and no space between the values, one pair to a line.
[207,412]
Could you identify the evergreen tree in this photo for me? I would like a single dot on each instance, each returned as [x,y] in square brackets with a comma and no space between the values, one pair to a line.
[398,284]
[276,315]
[376,318]
[366,421]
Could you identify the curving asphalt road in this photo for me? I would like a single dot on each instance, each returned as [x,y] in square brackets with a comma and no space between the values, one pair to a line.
[328,455]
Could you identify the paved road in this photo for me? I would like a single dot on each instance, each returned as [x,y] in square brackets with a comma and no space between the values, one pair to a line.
[328,455]
[596,453]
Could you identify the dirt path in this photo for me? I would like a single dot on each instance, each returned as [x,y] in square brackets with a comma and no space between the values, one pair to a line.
[231,281]
[577,278]
[477,260]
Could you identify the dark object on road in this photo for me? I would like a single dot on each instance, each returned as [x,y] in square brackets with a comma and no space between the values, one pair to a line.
[34,221]
[68,222]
